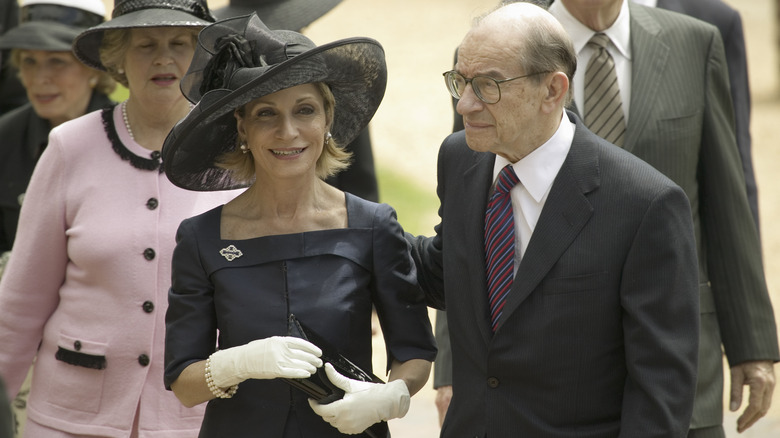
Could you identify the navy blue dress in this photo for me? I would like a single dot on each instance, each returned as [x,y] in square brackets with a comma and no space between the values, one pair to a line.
[231,292]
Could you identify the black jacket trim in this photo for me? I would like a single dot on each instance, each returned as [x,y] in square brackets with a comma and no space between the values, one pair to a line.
[81,359]
[121,150]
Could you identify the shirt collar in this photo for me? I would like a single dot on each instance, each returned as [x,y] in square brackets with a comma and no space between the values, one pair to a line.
[619,32]
[648,3]
[538,170]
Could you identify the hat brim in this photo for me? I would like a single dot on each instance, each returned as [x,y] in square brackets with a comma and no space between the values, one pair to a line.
[40,35]
[353,68]
[282,15]
[87,45]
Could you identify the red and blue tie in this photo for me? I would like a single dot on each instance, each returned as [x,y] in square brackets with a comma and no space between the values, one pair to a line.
[500,243]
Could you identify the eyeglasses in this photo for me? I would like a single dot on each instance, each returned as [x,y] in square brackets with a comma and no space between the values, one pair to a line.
[486,88]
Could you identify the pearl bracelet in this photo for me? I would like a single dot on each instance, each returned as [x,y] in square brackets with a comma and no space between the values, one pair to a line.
[217,391]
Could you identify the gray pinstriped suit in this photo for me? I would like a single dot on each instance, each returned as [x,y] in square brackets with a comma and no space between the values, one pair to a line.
[682,123]
[729,23]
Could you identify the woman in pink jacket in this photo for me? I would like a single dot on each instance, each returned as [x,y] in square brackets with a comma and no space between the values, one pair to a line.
[86,290]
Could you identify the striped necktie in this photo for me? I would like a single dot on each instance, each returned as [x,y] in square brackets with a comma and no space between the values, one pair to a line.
[603,106]
[500,243]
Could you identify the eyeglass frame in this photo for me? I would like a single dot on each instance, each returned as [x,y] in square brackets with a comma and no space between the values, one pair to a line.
[468,81]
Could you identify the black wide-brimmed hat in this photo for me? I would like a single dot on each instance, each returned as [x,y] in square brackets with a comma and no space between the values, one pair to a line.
[130,14]
[279,14]
[240,59]
[52,25]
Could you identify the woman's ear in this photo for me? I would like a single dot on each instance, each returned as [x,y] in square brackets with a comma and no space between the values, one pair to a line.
[239,123]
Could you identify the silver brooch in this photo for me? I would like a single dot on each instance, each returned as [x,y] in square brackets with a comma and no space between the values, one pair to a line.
[231,253]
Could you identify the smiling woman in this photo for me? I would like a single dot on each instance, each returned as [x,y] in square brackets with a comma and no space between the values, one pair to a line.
[273,110]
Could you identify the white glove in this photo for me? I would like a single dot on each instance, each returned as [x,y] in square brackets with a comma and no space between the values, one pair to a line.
[278,356]
[364,403]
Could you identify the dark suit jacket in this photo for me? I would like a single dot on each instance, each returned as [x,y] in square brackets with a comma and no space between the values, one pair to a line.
[682,123]
[600,331]
[729,23]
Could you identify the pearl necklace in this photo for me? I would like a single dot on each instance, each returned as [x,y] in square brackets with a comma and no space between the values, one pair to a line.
[127,122]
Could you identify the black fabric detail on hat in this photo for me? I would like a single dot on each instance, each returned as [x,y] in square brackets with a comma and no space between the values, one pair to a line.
[233,51]
[120,148]
[189,6]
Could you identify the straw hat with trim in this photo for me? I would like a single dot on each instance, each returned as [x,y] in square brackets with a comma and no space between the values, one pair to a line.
[240,59]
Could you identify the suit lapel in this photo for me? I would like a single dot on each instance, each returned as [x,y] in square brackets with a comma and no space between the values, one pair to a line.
[649,57]
[565,213]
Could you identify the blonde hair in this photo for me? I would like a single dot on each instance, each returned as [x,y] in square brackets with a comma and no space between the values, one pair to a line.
[114,46]
[105,83]
[334,157]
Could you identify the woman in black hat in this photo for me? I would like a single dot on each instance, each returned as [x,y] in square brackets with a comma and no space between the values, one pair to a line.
[58,87]
[85,291]
[273,110]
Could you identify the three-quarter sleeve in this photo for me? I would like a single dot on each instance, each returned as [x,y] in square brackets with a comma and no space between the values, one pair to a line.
[190,322]
[399,302]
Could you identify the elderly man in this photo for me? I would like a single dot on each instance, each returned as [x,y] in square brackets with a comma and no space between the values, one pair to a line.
[567,265]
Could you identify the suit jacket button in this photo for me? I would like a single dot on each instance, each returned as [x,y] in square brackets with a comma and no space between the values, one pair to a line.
[492,382]
[149,254]
[77,345]
[148,306]
[143,360]
[152,203]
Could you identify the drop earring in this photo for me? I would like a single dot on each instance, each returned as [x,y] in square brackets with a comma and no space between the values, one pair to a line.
[243,147]
[328,136]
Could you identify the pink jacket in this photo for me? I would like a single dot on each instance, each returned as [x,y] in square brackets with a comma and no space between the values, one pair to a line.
[88,278]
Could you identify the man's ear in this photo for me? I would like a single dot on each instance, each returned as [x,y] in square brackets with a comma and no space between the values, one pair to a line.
[557,85]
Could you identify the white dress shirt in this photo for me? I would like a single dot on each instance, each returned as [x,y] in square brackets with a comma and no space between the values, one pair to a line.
[536,171]
[620,49]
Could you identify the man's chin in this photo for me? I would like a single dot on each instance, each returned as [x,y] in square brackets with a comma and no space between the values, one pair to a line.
[477,143]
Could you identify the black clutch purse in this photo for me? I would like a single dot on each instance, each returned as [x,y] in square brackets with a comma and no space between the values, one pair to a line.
[318,386]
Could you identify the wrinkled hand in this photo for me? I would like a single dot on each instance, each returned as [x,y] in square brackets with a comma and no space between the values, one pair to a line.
[270,358]
[759,376]
[364,403]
